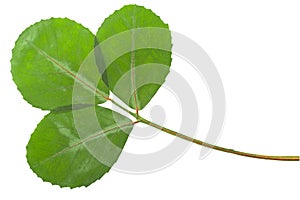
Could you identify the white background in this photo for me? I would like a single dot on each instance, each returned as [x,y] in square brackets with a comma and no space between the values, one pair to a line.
[255,46]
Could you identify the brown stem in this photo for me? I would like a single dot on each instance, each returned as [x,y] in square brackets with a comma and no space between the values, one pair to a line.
[174,133]
[199,142]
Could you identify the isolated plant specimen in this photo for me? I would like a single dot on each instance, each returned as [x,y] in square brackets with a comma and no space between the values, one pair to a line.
[60,66]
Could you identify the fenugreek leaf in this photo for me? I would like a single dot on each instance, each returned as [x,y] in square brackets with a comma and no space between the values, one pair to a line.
[46,60]
[134,54]
[75,148]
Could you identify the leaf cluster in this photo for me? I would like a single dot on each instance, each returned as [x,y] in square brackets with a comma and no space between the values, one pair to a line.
[60,66]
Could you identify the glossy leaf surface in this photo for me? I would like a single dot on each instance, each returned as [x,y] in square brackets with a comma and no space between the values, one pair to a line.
[45,62]
[73,149]
[134,54]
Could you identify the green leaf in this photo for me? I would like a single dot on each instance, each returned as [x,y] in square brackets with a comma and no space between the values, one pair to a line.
[73,149]
[45,63]
[134,54]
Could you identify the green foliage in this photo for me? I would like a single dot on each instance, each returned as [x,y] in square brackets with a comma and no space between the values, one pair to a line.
[142,63]
[60,66]
[79,141]
[60,154]
[45,62]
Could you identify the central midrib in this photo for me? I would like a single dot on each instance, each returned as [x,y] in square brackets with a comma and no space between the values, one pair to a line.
[70,73]
[133,62]
[88,139]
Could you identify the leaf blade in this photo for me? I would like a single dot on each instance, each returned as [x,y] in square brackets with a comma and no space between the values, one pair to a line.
[144,39]
[59,154]
[46,59]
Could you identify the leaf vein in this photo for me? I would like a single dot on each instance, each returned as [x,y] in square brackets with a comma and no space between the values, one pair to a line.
[70,73]
[88,139]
